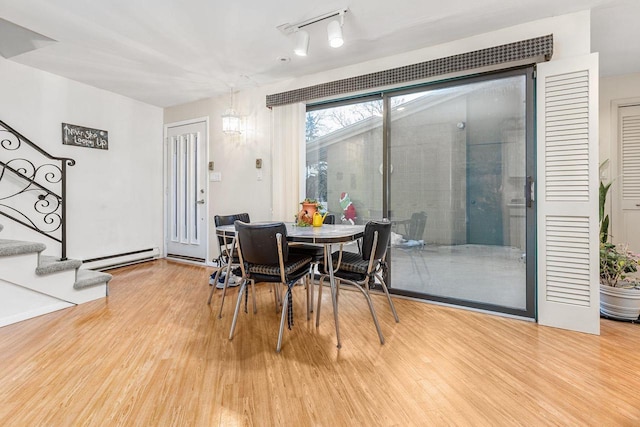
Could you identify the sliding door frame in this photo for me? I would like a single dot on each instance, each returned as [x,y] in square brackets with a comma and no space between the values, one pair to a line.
[530,149]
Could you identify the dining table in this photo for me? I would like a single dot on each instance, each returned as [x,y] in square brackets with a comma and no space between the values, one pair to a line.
[325,235]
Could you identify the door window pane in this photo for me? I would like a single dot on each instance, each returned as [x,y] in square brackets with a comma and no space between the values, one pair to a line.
[343,159]
[456,192]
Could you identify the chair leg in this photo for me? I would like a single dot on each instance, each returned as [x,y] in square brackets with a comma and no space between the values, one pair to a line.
[224,291]
[373,311]
[213,287]
[285,304]
[235,313]
[319,300]
[308,286]
[311,275]
[334,300]
[386,291]
[253,292]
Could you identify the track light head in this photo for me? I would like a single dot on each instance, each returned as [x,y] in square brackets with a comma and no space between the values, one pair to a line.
[302,43]
[334,30]
[334,33]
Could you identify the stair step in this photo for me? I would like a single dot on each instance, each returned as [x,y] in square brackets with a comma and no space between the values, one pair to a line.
[87,278]
[51,264]
[19,247]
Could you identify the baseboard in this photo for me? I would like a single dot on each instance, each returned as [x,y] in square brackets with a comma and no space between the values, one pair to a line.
[19,317]
[187,258]
[121,260]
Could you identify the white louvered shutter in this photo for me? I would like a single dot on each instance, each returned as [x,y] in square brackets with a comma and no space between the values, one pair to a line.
[625,193]
[630,156]
[567,194]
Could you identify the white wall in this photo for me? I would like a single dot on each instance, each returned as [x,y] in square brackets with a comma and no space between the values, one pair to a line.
[235,156]
[114,197]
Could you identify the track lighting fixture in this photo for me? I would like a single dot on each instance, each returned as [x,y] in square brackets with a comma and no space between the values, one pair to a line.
[334,31]
[302,43]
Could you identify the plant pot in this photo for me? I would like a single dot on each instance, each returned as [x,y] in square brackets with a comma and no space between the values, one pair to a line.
[620,303]
[311,208]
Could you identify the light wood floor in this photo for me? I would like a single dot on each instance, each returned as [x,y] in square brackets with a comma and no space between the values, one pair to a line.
[154,354]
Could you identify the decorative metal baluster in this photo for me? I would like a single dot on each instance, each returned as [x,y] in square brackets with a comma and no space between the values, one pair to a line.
[29,172]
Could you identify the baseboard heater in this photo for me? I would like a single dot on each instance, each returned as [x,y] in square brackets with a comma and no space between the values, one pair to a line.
[186,258]
[120,260]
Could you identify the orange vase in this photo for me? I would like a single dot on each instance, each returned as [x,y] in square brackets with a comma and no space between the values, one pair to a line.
[311,209]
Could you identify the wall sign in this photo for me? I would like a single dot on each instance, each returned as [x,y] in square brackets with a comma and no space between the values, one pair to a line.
[81,136]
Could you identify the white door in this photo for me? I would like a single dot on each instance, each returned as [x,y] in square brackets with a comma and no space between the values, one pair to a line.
[186,191]
[567,194]
[628,183]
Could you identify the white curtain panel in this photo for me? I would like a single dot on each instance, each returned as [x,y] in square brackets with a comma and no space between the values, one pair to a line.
[288,159]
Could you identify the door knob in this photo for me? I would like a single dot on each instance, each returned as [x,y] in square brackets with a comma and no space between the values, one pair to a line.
[200,202]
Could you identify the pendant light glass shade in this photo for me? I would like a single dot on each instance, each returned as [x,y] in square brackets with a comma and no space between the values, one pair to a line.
[231,121]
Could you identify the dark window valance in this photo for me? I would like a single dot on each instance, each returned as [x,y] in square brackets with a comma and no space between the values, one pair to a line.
[525,51]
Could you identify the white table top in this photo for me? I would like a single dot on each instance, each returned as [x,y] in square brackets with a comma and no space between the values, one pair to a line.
[328,233]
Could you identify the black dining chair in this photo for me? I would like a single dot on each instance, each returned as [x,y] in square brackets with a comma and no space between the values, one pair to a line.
[264,257]
[228,254]
[362,269]
[316,252]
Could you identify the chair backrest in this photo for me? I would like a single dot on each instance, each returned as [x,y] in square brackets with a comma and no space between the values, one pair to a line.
[384,234]
[229,220]
[258,242]
[416,226]
[329,219]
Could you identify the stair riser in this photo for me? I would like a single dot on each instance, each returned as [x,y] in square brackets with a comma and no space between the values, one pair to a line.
[20,270]
[90,294]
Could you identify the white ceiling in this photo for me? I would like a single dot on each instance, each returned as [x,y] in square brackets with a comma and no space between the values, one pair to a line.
[168,52]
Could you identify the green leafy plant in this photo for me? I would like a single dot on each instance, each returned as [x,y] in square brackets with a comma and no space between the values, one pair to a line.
[310,201]
[604,219]
[616,261]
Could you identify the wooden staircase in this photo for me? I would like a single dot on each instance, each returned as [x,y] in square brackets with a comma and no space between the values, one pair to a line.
[32,284]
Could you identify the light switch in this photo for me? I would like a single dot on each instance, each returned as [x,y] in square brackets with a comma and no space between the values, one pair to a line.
[215,176]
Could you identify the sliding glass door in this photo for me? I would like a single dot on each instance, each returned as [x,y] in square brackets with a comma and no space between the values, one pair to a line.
[456,197]
[450,166]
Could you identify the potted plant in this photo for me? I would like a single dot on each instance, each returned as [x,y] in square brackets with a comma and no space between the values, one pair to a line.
[310,205]
[309,208]
[619,295]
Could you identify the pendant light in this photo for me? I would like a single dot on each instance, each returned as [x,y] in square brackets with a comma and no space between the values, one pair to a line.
[230,119]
